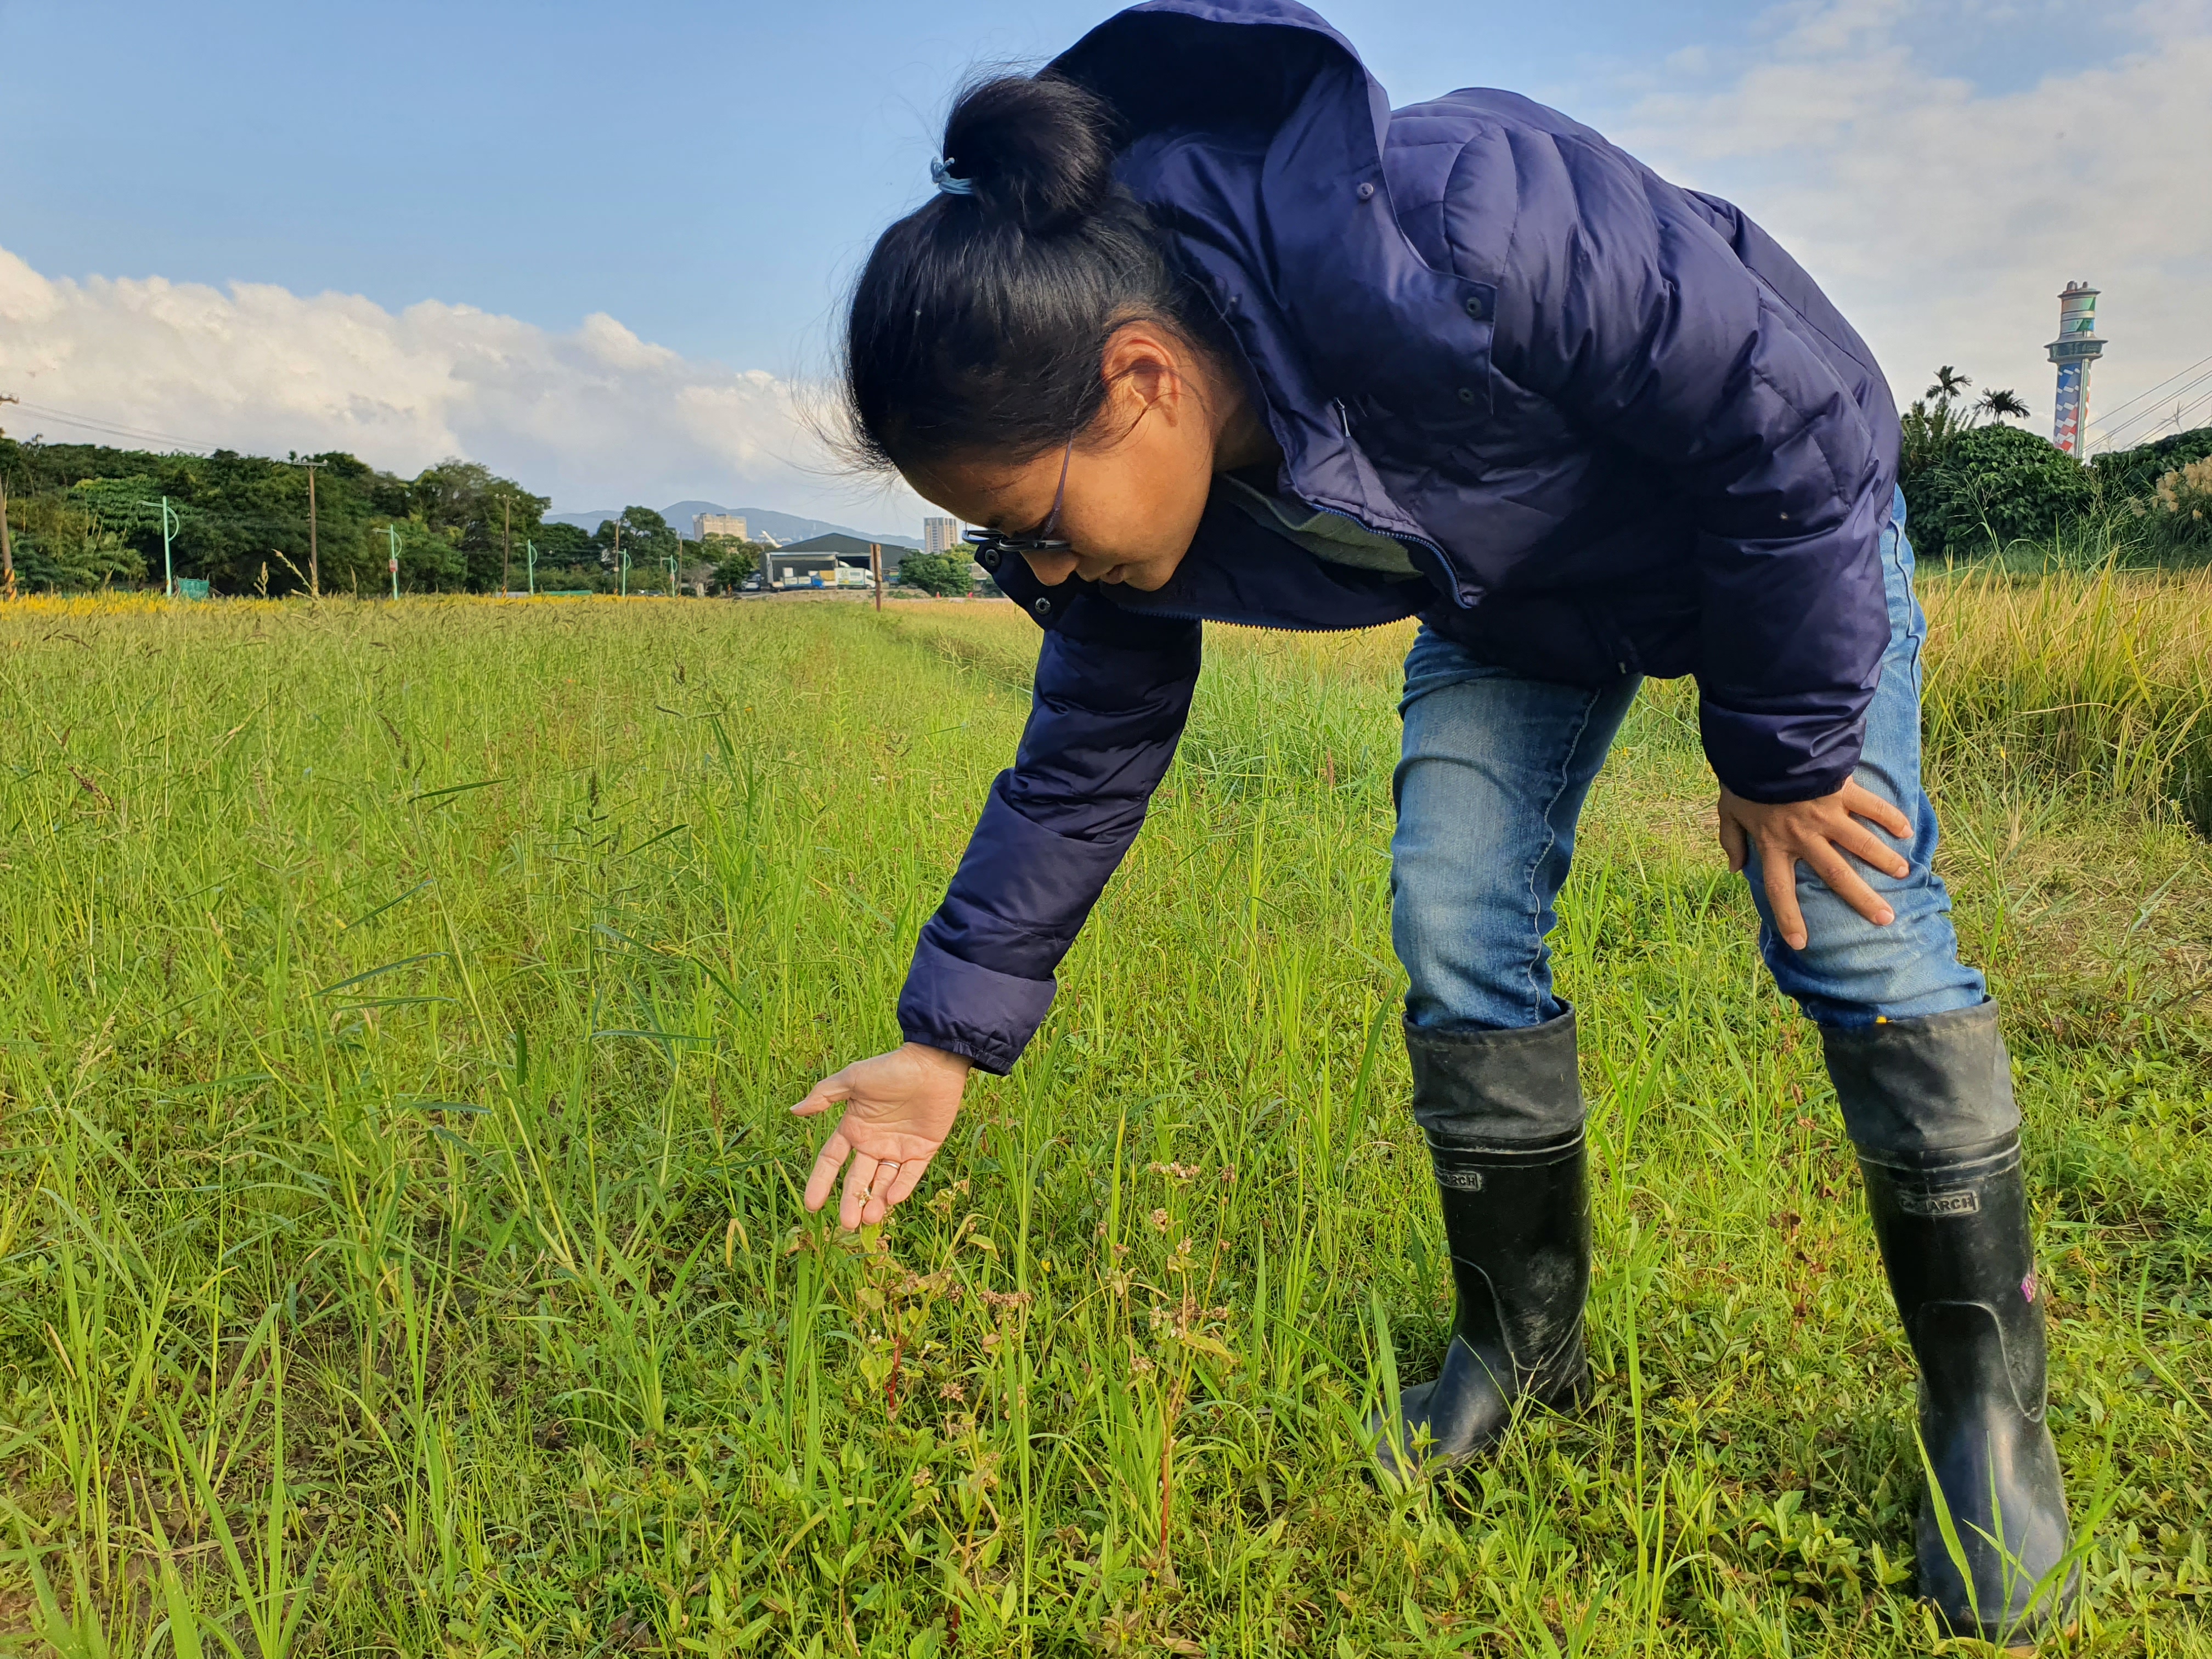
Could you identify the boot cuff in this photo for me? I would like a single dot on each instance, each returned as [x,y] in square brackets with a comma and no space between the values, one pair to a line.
[1491,1089]
[1932,1087]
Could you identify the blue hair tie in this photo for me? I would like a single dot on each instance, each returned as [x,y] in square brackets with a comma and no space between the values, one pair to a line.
[940,174]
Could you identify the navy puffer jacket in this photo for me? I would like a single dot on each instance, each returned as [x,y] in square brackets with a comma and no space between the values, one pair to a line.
[1619,428]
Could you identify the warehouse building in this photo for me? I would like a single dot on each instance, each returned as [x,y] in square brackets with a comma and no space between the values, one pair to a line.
[831,561]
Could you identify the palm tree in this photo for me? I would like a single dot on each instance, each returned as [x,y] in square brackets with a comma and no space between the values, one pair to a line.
[1949,383]
[1998,402]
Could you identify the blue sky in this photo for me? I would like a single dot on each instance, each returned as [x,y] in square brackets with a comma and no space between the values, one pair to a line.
[706,177]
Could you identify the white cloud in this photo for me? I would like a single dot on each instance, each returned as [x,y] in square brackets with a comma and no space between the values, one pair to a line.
[1944,219]
[596,418]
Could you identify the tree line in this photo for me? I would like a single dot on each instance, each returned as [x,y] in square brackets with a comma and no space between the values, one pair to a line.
[85,516]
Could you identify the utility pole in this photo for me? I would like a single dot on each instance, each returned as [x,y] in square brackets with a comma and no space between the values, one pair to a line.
[393,532]
[876,569]
[506,543]
[170,526]
[530,548]
[7,547]
[314,570]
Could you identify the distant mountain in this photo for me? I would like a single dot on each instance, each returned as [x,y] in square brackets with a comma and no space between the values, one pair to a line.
[759,520]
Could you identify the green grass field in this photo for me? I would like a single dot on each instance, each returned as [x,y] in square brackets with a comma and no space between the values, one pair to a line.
[399,1239]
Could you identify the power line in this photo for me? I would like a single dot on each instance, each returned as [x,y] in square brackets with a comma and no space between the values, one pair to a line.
[2202,404]
[2134,423]
[148,434]
[115,428]
[2151,411]
[2200,363]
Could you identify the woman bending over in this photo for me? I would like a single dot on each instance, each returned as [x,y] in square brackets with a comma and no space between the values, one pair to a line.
[1198,327]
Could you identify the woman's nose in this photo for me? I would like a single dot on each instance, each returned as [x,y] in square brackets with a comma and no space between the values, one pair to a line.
[1051,568]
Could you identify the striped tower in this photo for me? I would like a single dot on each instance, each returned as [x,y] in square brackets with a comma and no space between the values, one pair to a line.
[2076,347]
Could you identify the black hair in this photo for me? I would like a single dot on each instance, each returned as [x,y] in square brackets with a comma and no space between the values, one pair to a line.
[979,323]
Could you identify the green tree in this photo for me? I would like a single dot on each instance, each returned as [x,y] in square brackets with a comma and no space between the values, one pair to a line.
[60,544]
[646,537]
[1939,417]
[564,543]
[2133,474]
[943,575]
[480,513]
[1994,485]
[1950,385]
[734,561]
[568,557]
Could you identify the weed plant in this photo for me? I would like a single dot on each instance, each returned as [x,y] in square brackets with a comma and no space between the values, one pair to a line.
[400,1242]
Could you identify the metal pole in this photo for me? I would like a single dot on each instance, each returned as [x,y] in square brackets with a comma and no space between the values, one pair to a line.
[505,545]
[7,547]
[621,560]
[315,570]
[530,552]
[671,576]
[393,531]
[169,571]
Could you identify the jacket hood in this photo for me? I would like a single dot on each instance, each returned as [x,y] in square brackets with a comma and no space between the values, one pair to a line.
[1255,134]
[1225,65]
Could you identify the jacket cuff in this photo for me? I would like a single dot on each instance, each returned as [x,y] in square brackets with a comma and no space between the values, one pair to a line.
[1774,760]
[987,1017]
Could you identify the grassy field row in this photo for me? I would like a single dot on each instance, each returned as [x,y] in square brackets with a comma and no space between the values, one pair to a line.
[399,1248]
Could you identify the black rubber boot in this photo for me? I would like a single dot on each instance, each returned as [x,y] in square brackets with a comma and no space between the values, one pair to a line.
[1953,1224]
[1517,1218]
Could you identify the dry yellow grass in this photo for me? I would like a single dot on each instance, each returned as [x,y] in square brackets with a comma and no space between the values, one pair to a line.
[2100,682]
[2103,680]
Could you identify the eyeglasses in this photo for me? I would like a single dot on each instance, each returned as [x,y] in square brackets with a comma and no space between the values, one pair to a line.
[1042,541]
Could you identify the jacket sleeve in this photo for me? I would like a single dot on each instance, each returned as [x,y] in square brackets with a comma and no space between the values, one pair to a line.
[1112,691]
[1631,310]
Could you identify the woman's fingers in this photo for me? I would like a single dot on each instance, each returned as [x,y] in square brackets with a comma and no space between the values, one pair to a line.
[1779,867]
[891,1185]
[1861,842]
[873,1185]
[823,1176]
[878,1201]
[910,1178]
[1863,801]
[823,1094]
[857,1178]
[1733,843]
[1846,884]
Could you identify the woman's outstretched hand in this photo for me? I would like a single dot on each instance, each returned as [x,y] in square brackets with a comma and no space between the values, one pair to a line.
[899,1107]
[1816,834]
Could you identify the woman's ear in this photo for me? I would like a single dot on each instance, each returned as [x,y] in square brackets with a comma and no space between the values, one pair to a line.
[1148,369]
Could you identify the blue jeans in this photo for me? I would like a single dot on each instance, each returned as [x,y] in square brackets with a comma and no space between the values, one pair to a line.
[1495,771]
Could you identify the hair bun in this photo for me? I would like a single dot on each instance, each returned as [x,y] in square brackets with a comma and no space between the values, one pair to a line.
[1038,149]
